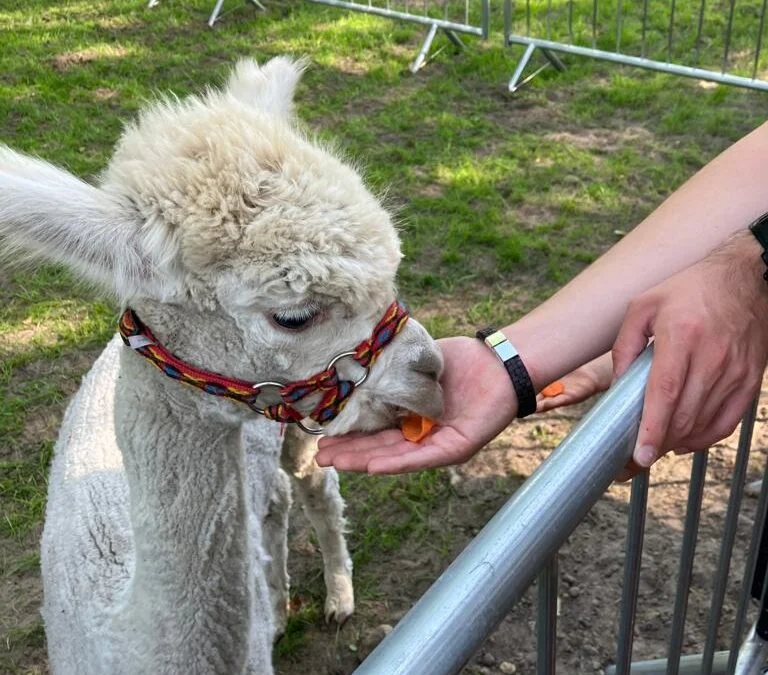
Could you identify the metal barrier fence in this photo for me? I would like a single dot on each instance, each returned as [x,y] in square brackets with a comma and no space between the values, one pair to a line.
[471,17]
[447,625]
[451,16]
[681,37]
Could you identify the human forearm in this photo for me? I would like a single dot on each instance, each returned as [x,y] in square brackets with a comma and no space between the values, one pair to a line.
[705,312]
[582,320]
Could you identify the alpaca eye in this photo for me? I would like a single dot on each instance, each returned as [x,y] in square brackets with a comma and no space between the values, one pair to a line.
[295,319]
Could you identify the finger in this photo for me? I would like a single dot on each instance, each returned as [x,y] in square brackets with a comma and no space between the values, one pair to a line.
[545,403]
[702,381]
[633,336]
[726,421]
[628,472]
[417,459]
[744,382]
[665,386]
[382,436]
[358,443]
[448,446]
[358,461]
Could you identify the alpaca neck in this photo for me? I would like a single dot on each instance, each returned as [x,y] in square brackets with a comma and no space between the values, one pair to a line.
[189,605]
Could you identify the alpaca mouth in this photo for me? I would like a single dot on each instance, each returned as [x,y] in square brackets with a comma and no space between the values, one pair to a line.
[400,413]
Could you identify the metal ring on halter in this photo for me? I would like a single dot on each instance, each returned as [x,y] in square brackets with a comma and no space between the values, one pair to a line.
[316,431]
[338,357]
[259,386]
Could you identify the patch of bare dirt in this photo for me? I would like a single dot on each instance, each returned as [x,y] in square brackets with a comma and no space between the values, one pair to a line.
[69,60]
[603,140]
[105,93]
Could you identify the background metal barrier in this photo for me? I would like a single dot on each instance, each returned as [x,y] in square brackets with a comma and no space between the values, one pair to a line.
[681,37]
[447,625]
[451,16]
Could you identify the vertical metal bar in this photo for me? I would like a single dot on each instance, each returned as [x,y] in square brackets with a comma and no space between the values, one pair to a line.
[594,24]
[749,572]
[699,30]
[644,48]
[549,19]
[466,12]
[528,17]
[445,9]
[619,22]
[759,46]
[546,621]
[426,9]
[670,31]
[486,20]
[635,531]
[695,491]
[728,36]
[570,21]
[729,535]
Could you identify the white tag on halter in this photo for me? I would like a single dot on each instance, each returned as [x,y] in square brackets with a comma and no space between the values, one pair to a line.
[139,341]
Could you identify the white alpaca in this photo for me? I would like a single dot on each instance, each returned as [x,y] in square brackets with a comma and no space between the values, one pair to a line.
[249,252]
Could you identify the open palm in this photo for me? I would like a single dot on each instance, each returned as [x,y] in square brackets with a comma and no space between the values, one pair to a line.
[479,403]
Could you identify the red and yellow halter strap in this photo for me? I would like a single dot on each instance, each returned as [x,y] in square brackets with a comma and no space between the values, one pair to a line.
[335,391]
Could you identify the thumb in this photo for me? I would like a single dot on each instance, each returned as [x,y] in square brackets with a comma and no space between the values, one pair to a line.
[633,336]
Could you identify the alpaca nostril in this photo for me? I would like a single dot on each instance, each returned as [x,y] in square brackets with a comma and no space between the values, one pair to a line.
[429,364]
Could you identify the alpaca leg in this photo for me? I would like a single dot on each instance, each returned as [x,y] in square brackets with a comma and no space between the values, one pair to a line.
[276,545]
[318,493]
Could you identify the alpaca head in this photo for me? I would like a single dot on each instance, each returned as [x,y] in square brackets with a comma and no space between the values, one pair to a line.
[218,206]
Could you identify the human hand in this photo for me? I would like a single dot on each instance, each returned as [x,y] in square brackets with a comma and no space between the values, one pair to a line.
[590,379]
[479,403]
[709,325]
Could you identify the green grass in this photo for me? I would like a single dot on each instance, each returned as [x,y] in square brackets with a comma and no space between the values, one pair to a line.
[500,199]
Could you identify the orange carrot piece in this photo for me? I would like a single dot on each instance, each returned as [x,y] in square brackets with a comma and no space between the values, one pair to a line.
[554,389]
[416,428]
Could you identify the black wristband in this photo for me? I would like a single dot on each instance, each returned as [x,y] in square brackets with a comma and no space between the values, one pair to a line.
[521,380]
[760,229]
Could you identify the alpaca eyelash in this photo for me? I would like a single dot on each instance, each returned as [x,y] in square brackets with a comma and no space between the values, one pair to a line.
[295,318]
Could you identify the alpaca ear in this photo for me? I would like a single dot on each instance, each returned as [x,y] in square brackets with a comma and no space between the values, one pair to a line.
[270,87]
[48,213]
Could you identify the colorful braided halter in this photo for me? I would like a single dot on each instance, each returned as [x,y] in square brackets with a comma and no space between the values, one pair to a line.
[335,391]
